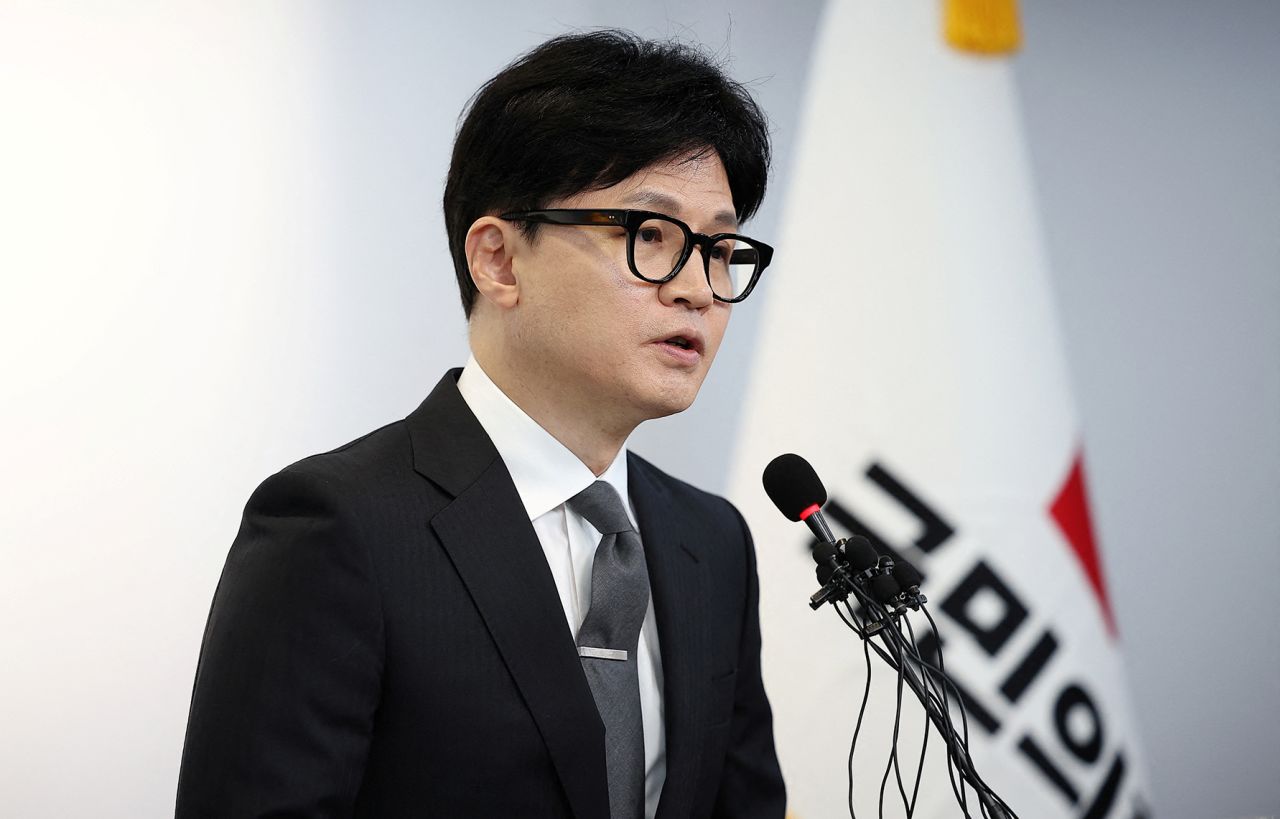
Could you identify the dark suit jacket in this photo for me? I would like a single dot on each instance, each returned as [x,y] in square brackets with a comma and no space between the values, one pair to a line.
[386,640]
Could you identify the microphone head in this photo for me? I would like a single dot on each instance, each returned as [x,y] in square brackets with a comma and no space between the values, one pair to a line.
[884,588]
[860,553]
[906,574]
[793,486]
[823,552]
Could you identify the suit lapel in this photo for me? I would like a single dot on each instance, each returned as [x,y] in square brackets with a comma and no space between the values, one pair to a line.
[677,581]
[497,554]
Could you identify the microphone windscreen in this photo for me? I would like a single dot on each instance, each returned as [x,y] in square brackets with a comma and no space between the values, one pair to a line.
[906,574]
[823,552]
[860,553]
[884,588]
[792,485]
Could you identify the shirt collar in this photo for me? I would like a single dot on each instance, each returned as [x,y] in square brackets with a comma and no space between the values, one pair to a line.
[545,472]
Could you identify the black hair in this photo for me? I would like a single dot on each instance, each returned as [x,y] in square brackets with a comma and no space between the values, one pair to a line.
[585,111]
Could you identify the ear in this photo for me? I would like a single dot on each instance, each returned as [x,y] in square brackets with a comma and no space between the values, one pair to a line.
[490,247]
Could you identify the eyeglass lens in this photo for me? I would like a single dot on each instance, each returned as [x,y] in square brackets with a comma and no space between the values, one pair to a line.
[660,243]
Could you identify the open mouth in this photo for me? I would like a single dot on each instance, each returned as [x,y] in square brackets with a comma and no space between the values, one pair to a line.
[688,341]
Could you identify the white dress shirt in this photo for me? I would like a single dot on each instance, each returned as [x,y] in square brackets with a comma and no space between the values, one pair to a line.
[546,475]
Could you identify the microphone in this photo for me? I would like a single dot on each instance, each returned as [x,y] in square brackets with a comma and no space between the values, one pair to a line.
[864,558]
[860,553]
[826,556]
[908,579]
[908,576]
[797,491]
[795,488]
[886,586]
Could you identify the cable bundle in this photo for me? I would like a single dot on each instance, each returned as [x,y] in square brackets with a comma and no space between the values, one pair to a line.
[885,591]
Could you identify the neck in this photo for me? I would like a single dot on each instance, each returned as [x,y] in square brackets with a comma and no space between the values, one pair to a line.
[575,421]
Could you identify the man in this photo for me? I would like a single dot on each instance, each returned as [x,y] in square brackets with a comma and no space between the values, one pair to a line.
[490,608]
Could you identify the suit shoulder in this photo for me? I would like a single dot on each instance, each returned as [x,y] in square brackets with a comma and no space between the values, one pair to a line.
[367,465]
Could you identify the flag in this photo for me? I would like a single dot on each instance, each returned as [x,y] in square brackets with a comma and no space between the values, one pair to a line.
[909,349]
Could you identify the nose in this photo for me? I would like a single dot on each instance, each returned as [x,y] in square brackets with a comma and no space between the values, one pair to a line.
[690,285]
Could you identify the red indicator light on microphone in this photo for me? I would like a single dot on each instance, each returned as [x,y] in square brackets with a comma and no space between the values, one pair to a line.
[809,510]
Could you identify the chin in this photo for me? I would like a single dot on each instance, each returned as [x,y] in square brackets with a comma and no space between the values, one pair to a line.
[667,400]
[666,410]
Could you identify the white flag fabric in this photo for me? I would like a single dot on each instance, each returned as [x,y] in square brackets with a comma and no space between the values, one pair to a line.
[909,350]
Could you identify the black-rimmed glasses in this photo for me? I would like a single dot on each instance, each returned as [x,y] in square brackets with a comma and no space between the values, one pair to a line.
[658,246]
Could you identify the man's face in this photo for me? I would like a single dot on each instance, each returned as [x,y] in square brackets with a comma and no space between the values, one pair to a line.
[605,339]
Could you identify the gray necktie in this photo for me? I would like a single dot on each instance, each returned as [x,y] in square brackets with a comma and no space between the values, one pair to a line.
[608,639]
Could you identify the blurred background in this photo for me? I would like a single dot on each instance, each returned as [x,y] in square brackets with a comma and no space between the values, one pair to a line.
[221,250]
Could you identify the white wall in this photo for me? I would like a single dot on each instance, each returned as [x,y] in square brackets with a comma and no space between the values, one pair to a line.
[221,250]
[169,222]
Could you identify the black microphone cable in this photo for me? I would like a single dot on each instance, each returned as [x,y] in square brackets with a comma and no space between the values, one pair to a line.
[907,579]
[941,684]
[845,568]
[884,590]
[931,705]
[862,709]
[924,745]
[938,693]
[978,782]
[887,590]
[892,765]
[959,760]
[876,608]
[867,645]
[891,657]
[957,753]
[893,641]
[965,763]
[906,645]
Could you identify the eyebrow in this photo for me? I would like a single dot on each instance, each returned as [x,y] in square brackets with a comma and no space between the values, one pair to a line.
[667,204]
